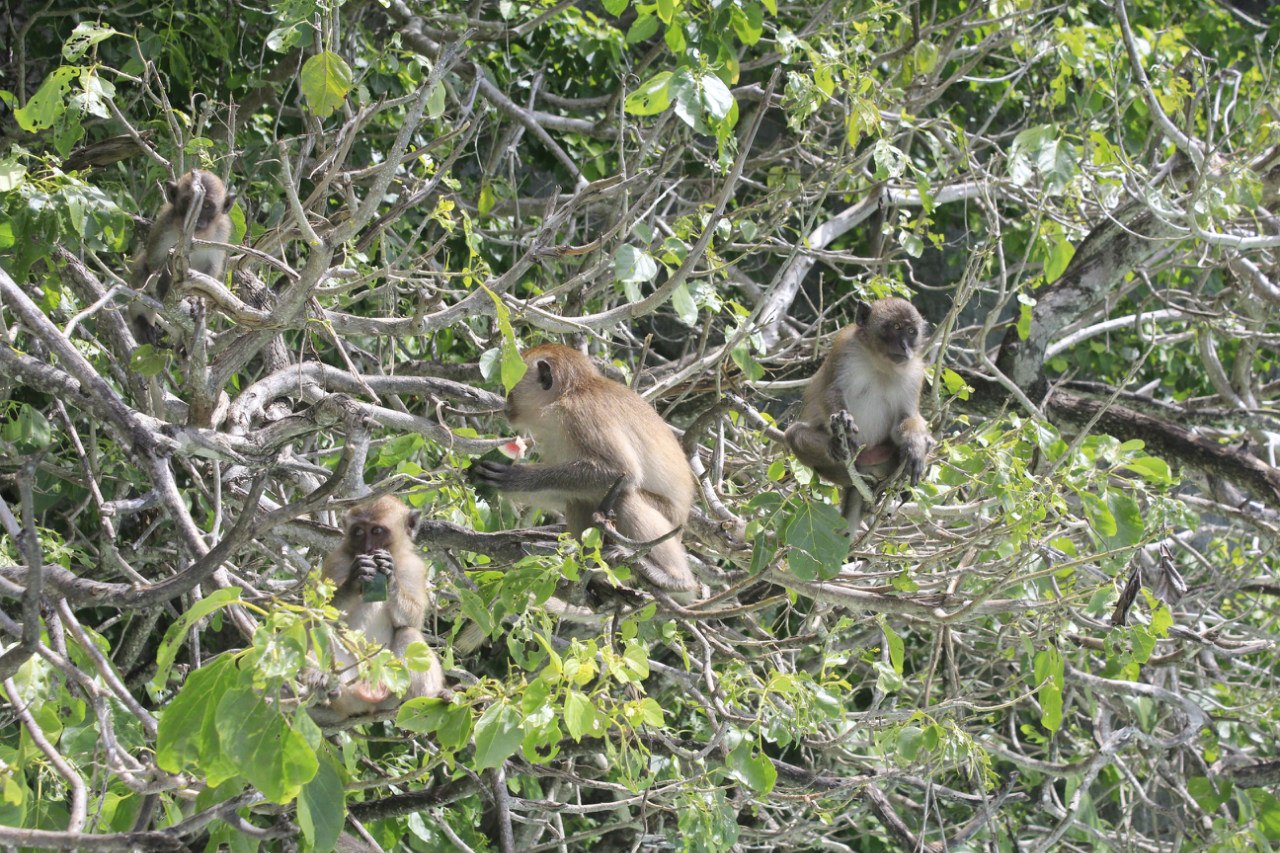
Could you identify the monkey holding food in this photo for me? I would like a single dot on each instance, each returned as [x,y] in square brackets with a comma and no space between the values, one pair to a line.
[151,270]
[382,591]
[597,437]
[863,404]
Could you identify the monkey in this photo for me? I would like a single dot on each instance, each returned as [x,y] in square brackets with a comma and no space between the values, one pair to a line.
[211,222]
[864,403]
[378,540]
[599,438]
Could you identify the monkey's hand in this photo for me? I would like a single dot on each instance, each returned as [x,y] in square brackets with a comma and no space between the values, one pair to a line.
[915,451]
[844,436]
[364,568]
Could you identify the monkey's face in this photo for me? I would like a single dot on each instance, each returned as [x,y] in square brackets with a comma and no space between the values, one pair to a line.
[900,341]
[365,536]
[897,329]
[214,203]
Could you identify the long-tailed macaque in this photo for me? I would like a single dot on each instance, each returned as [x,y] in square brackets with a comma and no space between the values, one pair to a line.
[597,438]
[377,551]
[864,403]
[151,270]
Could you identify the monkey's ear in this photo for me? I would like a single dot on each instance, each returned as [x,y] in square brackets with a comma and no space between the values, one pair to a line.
[411,521]
[545,379]
[171,192]
[226,205]
[862,313]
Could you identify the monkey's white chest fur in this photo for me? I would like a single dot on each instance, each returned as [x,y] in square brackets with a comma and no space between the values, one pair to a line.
[374,620]
[878,398]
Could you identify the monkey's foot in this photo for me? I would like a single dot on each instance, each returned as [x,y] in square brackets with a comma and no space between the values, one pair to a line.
[371,693]
[844,436]
[317,683]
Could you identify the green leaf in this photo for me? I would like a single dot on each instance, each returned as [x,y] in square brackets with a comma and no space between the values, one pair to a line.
[1152,469]
[895,646]
[666,10]
[631,264]
[498,735]
[177,631]
[910,739]
[955,384]
[716,97]
[1267,812]
[325,82]
[1128,519]
[512,367]
[1049,673]
[29,430]
[418,657]
[49,102]
[1057,258]
[1208,795]
[682,301]
[644,27]
[1024,320]
[186,739]
[772,6]
[652,712]
[258,740]
[322,805]
[1100,518]
[752,769]
[748,23]
[486,200]
[818,546]
[652,96]
[579,715]
[616,7]
[83,37]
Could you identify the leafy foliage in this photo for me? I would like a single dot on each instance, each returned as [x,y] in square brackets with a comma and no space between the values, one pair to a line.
[1062,638]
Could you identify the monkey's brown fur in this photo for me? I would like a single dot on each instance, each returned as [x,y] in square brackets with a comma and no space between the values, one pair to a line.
[866,395]
[151,270]
[590,431]
[383,524]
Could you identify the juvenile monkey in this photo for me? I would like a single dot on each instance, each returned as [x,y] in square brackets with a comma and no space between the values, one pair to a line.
[151,270]
[378,541]
[596,437]
[866,395]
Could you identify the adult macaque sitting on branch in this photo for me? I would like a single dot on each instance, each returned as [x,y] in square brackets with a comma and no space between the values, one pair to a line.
[599,439]
[382,592]
[862,407]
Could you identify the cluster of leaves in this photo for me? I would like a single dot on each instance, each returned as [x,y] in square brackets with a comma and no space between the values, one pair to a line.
[777,714]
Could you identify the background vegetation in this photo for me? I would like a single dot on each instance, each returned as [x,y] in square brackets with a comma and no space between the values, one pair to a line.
[1062,639]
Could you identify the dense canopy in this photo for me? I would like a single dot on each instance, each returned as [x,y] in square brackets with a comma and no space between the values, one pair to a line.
[1062,638]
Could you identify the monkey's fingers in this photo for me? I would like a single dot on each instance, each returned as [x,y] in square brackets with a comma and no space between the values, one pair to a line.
[844,432]
[916,466]
[364,567]
[488,472]
[383,561]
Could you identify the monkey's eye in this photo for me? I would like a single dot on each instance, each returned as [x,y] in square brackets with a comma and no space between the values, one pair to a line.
[378,530]
[358,530]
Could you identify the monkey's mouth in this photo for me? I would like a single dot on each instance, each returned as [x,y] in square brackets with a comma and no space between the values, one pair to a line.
[899,358]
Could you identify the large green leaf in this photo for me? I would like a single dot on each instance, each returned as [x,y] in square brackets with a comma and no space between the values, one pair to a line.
[257,739]
[326,80]
[498,735]
[322,806]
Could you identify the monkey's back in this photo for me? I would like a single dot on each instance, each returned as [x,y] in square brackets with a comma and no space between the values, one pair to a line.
[634,437]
